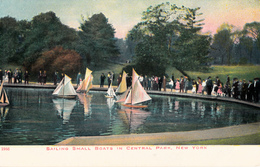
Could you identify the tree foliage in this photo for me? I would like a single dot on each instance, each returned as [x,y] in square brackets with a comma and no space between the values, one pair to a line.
[58,59]
[46,32]
[170,35]
[97,41]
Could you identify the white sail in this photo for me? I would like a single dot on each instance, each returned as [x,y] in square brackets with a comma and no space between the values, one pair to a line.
[110,91]
[137,94]
[64,108]
[122,98]
[3,96]
[122,86]
[87,82]
[65,88]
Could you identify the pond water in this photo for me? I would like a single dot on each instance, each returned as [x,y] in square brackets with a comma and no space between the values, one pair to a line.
[36,118]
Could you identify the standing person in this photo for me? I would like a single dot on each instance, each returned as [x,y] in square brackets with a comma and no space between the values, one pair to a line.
[109,79]
[256,89]
[1,75]
[20,74]
[141,79]
[149,84]
[199,83]
[243,90]
[235,88]
[219,93]
[171,84]
[186,84]
[173,80]
[145,82]
[164,83]
[79,77]
[160,80]
[10,74]
[26,77]
[40,77]
[119,79]
[209,85]
[194,85]
[177,85]
[250,91]
[204,88]
[102,80]
[182,85]
[16,75]
[55,78]
[44,78]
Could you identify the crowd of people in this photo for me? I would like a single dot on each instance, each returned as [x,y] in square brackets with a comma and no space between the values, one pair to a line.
[238,89]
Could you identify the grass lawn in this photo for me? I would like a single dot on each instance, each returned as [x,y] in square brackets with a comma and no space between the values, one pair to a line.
[248,72]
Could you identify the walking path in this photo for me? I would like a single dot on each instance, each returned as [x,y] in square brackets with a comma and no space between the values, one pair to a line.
[166,138]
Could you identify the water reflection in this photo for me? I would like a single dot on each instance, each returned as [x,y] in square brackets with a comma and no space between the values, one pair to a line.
[85,99]
[64,108]
[34,117]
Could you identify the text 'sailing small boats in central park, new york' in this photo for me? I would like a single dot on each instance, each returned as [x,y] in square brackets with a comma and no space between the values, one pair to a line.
[135,95]
[3,99]
[86,84]
[65,89]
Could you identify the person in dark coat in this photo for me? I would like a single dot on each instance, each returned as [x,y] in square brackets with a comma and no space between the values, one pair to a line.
[182,85]
[243,90]
[44,78]
[55,78]
[10,75]
[79,78]
[209,85]
[235,88]
[26,77]
[1,76]
[250,91]
[102,80]
[256,89]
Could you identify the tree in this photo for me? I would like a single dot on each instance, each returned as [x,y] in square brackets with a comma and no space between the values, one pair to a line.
[62,60]
[170,35]
[223,42]
[46,33]
[97,41]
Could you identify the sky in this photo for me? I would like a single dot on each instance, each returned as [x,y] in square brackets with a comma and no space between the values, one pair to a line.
[124,14]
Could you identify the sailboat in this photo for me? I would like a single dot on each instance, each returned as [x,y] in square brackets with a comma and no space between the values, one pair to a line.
[110,92]
[65,89]
[135,94]
[86,83]
[122,86]
[64,108]
[3,97]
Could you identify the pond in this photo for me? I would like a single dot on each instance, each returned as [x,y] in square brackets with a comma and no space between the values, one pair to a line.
[36,118]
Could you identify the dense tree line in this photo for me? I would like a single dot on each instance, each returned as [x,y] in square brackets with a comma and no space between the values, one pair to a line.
[167,36]
[31,43]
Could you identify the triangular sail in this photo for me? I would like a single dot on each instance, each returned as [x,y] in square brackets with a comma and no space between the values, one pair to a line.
[3,98]
[139,94]
[65,88]
[122,98]
[87,82]
[122,86]
[111,91]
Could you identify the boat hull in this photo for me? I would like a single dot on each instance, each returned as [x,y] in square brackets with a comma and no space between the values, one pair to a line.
[135,106]
[109,96]
[66,96]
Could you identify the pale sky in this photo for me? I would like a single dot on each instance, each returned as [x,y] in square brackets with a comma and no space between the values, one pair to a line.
[124,14]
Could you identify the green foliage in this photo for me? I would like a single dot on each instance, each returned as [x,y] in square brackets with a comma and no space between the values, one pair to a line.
[97,41]
[170,35]
[46,33]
